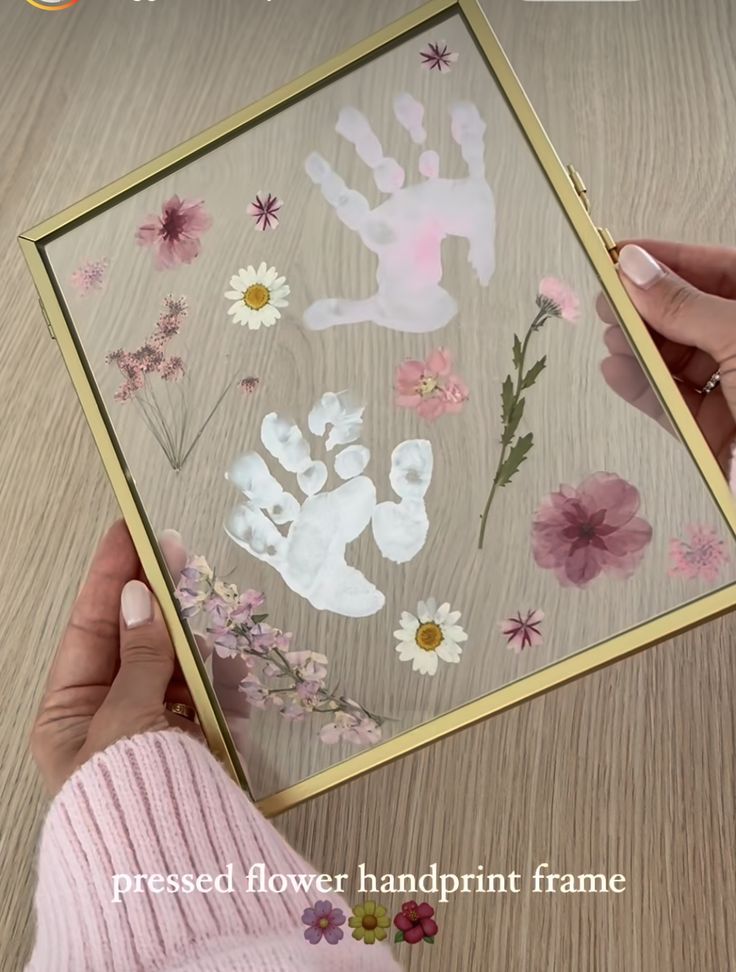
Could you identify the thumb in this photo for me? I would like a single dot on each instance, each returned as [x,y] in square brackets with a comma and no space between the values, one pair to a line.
[674,308]
[146,652]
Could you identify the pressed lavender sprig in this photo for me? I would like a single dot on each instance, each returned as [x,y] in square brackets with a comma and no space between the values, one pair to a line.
[294,682]
[554,299]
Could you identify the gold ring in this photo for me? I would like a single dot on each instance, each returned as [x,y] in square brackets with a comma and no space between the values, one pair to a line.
[180,709]
[711,384]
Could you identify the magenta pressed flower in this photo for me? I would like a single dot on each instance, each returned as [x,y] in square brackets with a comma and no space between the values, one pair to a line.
[175,233]
[438,57]
[264,209]
[430,387]
[90,277]
[522,630]
[557,299]
[593,529]
[323,921]
[701,554]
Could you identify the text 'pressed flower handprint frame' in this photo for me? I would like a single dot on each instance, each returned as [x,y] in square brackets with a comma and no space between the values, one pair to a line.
[587,528]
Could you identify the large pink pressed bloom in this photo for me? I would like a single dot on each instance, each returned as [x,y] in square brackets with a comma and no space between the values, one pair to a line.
[175,233]
[593,529]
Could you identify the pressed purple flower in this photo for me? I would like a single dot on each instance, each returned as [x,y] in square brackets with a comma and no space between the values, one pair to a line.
[522,630]
[323,921]
[172,369]
[264,210]
[438,57]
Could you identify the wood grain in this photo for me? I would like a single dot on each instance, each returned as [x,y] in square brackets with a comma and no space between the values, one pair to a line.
[629,769]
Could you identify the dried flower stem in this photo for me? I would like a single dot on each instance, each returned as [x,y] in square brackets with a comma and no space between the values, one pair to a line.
[512,408]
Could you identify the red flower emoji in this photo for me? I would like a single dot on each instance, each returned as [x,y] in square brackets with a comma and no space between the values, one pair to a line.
[415,923]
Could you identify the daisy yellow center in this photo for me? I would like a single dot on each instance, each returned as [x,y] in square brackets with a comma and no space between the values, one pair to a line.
[429,636]
[256,296]
[370,922]
[324,923]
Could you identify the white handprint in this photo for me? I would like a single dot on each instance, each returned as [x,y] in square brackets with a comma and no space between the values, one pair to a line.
[407,229]
[310,556]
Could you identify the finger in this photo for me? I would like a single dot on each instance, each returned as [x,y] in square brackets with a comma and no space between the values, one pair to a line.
[89,649]
[350,206]
[468,130]
[624,375]
[146,653]
[709,268]
[355,128]
[677,309]
[410,115]
[174,551]
[688,364]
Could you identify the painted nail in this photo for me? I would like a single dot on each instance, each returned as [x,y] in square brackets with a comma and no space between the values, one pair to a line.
[136,604]
[174,551]
[641,268]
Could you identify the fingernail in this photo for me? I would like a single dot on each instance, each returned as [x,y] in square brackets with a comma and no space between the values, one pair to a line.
[136,604]
[639,266]
[174,551]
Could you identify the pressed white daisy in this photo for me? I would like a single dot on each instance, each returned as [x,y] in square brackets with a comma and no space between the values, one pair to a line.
[430,634]
[258,295]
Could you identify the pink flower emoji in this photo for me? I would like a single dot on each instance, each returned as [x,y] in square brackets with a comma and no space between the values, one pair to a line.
[438,57]
[701,554]
[593,529]
[175,233]
[523,631]
[557,299]
[430,387]
[323,921]
[415,923]
[264,210]
[90,277]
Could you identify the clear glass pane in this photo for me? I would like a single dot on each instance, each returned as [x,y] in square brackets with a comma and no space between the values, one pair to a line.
[359,412]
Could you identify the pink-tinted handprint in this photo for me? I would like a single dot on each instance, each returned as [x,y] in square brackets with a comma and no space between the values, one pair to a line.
[406,230]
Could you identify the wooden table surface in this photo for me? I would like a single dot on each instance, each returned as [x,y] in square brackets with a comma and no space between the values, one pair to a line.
[628,770]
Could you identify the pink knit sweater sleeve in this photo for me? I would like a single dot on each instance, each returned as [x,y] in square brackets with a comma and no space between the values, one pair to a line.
[159,804]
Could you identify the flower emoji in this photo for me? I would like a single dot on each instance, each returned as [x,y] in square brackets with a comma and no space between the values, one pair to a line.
[557,299]
[522,631]
[90,277]
[438,57]
[700,555]
[369,922]
[264,210]
[323,921]
[592,529]
[175,233]
[430,387]
[258,295]
[415,923]
[430,634]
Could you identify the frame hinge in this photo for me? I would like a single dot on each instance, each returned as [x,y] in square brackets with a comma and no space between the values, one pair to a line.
[582,192]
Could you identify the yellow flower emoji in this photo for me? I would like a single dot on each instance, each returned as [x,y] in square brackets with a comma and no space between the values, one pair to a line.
[369,922]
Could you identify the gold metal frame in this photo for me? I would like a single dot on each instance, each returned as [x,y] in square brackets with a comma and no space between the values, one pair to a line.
[599,247]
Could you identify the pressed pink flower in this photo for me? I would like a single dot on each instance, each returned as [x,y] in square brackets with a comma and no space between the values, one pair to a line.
[522,631]
[323,921]
[90,277]
[430,387]
[355,729]
[264,210]
[175,233]
[701,554]
[256,693]
[556,298]
[438,57]
[248,385]
[593,529]
[172,369]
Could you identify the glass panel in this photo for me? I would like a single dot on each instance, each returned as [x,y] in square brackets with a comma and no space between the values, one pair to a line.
[378,402]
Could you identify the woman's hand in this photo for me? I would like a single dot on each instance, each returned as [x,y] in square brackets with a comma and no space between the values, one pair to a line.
[115,666]
[687,296]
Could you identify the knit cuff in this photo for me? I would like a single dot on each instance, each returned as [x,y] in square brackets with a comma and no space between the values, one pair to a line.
[159,804]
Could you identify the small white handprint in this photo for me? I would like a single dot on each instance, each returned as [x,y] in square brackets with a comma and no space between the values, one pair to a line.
[310,556]
[407,229]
